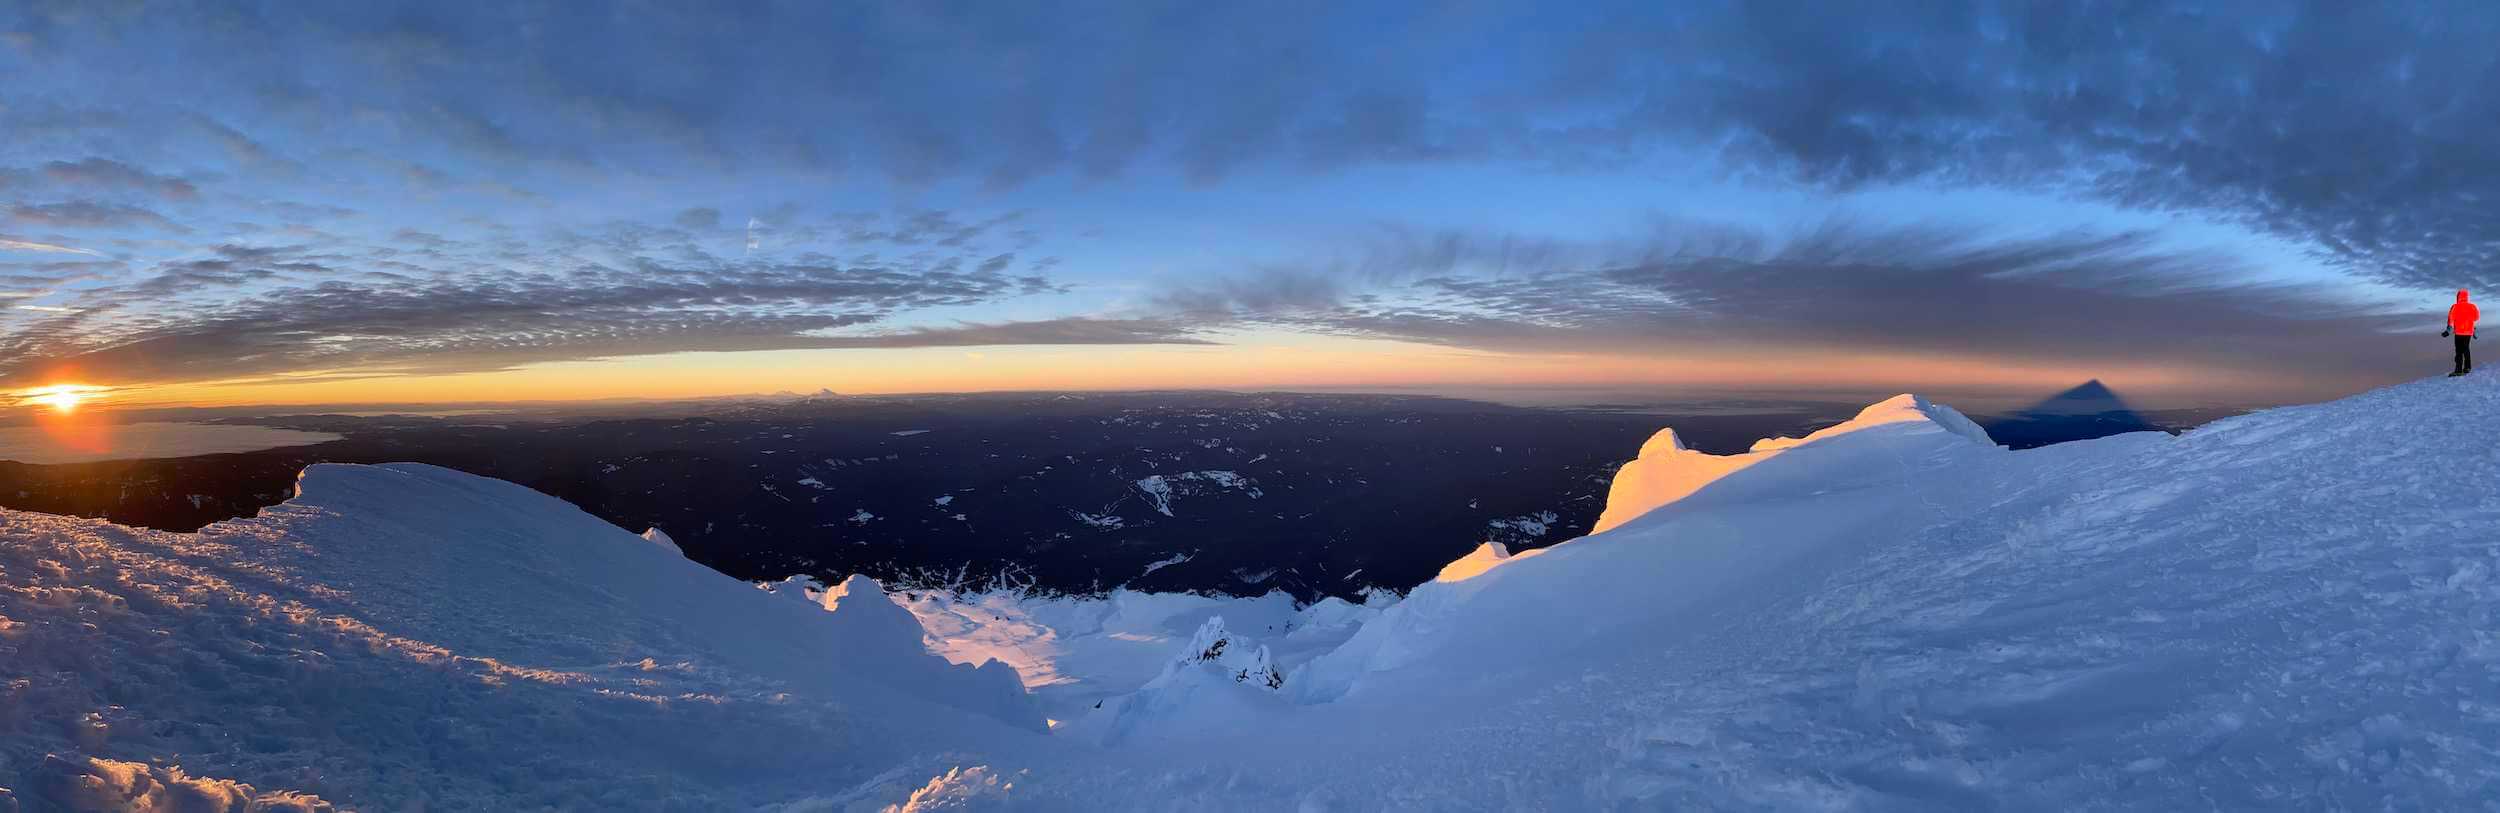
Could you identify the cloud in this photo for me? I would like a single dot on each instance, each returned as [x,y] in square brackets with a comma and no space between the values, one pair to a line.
[2355,127]
[1064,331]
[244,150]
[1265,291]
[2359,128]
[185,277]
[44,277]
[1001,93]
[103,173]
[265,310]
[47,248]
[422,239]
[930,227]
[700,219]
[90,215]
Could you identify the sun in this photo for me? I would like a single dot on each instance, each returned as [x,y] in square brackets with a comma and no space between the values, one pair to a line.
[63,401]
[62,398]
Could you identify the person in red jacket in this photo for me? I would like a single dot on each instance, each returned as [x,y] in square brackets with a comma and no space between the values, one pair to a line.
[2461,318]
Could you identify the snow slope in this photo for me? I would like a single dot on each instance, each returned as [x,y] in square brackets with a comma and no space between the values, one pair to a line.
[1893,465]
[403,635]
[2289,609]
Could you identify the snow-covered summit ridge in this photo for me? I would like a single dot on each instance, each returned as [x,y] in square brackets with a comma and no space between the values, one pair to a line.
[1664,443]
[1880,465]
[1912,409]
[1667,471]
[2286,609]
[1904,411]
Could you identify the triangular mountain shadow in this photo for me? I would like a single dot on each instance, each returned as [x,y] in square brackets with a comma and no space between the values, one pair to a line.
[2090,410]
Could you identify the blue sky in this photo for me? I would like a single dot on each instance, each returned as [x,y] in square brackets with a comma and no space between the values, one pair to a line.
[2221,193]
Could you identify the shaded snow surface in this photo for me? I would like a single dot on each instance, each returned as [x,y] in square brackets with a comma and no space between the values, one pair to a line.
[2288,609]
[406,636]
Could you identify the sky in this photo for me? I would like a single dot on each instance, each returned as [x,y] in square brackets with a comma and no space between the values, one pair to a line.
[416,202]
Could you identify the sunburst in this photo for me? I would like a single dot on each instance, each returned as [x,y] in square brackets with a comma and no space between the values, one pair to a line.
[63,398]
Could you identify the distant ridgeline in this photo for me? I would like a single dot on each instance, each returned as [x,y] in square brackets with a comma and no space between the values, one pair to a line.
[1239,494]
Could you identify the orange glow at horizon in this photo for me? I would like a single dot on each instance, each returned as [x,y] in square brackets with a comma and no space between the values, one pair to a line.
[1250,363]
[58,415]
[62,398]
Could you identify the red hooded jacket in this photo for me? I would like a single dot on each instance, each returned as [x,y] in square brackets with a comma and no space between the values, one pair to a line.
[2461,316]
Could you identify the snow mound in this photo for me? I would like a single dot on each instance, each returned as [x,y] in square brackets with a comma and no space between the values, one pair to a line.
[1333,617]
[1663,443]
[974,788]
[659,537]
[1217,651]
[405,636]
[860,607]
[800,588]
[1477,561]
[1218,681]
[1666,471]
[882,630]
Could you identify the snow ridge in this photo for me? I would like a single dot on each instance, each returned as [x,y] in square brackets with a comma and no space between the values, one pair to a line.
[1666,471]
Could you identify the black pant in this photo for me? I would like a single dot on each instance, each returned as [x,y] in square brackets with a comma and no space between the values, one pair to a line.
[2465,352]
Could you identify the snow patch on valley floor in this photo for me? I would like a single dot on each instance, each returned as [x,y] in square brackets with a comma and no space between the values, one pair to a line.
[1159,490]
[1100,522]
[1523,528]
[1160,564]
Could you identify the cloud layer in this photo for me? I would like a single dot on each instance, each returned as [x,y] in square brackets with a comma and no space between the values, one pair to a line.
[200,192]
[1842,287]
[445,307]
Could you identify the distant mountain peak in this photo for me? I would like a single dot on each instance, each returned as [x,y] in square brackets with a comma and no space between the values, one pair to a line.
[2088,389]
[2089,397]
[2087,410]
